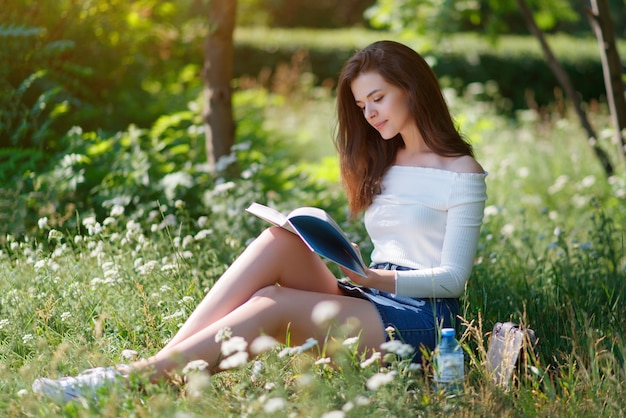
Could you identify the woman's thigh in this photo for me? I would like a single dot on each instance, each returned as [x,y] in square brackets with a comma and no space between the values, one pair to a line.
[304,314]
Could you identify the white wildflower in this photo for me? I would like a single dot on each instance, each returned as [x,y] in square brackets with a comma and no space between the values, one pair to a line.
[39,265]
[274,405]
[236,360]
[42,222]
[371,360]
[3,323]
[65,316]
[234,345]
[380,379]
[323,360]
[397,347]
[195,366]
[507,230]
[349,342]
[334,414]
[54,235]
[223,334]
[325,311]
[262,344]
[21,393]
[27,338]
[129,354]
[117,210]
[202,221]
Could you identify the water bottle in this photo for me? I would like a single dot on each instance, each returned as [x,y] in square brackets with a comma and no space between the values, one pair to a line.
[449,366]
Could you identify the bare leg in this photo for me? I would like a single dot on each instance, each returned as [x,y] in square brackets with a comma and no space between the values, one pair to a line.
[273,311]
[275,257]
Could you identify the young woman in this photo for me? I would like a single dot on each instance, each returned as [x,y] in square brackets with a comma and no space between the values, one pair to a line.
[403,163]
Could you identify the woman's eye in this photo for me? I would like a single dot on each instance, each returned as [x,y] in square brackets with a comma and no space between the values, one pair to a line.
[378,99]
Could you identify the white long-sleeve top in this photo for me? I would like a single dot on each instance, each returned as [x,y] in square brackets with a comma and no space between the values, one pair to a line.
[427,219]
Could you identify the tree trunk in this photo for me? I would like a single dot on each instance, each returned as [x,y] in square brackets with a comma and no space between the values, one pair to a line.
[567,86]
[601,22]
[217,75]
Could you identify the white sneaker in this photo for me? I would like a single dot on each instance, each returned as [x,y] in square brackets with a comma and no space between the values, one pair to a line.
[83,385]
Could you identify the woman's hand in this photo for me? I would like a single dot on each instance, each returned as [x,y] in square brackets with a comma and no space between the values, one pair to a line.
[376,278]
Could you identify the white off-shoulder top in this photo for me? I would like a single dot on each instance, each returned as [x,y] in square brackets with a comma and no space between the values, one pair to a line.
[429,220]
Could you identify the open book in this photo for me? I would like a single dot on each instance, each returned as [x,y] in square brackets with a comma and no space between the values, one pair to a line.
[318,230]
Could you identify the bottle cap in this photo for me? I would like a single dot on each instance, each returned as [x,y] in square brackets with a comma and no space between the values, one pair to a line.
[447,332]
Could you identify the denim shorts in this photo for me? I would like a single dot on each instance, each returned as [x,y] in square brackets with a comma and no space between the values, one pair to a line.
[415,320]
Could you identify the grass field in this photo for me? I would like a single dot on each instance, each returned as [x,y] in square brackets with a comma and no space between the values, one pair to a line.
[551,257]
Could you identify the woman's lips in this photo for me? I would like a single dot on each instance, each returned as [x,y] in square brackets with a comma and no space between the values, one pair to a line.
[379,125]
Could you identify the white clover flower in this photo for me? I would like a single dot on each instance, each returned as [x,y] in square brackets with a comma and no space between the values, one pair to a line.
[234,345]
[27,338]
[371,360]
[236,360]
[361,400]
[325,311]
[42,222]
[323,360]
[269,386]
[164,288]
[39,265]
[274,405]
[262,344]
[380,379]
[196,385]
[65,316]
[223,334]
[195,366]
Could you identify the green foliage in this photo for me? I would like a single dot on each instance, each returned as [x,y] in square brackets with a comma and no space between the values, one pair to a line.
[80,288]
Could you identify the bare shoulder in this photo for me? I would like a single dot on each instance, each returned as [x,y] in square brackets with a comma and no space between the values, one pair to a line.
[464,164]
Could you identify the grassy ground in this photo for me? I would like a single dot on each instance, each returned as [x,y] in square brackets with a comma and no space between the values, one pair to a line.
[551,257]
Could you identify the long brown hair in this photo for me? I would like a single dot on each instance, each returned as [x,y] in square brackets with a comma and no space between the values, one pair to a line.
[363,156]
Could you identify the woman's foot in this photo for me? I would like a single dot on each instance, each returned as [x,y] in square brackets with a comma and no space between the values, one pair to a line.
[84,385]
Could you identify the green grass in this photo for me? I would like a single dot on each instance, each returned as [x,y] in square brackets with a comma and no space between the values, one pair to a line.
[551,257]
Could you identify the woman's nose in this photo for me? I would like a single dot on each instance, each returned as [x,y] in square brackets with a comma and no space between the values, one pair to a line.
[369,111]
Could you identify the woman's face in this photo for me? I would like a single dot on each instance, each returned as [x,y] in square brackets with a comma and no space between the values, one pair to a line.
[385,106]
